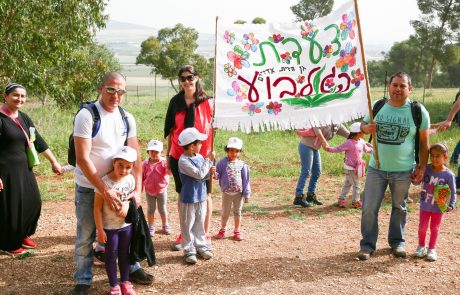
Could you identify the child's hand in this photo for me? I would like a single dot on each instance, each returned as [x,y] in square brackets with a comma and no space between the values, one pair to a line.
[246,199]
[101,237]
[124,210]
[212,156]
[216,175]
[327,148]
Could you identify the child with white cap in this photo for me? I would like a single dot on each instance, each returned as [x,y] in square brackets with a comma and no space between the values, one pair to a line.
[155,181]
[111,226]
[354,147]
[233,175]
[194,170]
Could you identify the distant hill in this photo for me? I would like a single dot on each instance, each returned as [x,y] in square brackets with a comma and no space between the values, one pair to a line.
[124,40]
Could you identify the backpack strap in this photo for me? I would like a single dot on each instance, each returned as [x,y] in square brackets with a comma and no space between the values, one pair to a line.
[125,120]
[416,111]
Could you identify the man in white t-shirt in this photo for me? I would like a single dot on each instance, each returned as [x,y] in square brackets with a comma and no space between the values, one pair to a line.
[94,160]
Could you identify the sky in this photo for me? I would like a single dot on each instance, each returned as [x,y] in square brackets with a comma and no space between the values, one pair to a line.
[382,22]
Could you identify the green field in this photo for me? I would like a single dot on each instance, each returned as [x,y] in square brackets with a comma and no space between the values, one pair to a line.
[272,154]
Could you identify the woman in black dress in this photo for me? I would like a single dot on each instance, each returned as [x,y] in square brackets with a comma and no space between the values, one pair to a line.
[20,202]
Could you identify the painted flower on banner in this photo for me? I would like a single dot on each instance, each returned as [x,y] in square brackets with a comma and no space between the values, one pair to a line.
[308,29]
[347,58]
[330,83]
[253,108]
[357,77]
[276,38]
[229,37]
[347,26]
[300,79]
[286,57]
[238,57]
[327,52]
[249,42]
[274,108]
[230,70]
[240,92]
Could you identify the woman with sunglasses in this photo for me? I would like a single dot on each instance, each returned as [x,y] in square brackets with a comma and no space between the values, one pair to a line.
[20,202]
[191,107]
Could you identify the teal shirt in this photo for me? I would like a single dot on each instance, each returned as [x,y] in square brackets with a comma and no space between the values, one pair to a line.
[396,137]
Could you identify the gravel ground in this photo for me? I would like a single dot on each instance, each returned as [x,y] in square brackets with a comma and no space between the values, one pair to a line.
[287,250]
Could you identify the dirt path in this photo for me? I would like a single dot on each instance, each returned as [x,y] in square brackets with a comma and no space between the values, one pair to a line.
[287,250]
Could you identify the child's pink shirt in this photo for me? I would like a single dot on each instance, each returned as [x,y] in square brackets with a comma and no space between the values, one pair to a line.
[155,176]
[349,147]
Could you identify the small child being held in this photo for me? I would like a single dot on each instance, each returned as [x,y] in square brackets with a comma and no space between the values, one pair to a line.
[233,175]
[155,180]
[111,226]
[194,170]
[437,196]
[354,147]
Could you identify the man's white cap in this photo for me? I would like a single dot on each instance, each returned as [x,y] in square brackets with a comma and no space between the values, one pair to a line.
[126,153]
[355,127]
[235,142]
[155,145]
[189,135]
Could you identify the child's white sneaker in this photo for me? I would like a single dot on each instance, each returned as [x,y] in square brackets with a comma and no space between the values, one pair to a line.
[420,252]
[432,255]
[152,230]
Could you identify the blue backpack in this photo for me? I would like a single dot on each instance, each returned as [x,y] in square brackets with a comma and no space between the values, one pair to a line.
[91,107]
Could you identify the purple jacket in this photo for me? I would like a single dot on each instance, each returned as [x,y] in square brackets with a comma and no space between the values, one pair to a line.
[222,175]
[349,147]
[430,180]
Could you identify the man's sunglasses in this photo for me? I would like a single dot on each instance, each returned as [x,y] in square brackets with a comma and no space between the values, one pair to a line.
[190,78]
[112,90]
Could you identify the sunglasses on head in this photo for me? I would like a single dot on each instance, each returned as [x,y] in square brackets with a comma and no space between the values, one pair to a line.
[190,78]
[113,90]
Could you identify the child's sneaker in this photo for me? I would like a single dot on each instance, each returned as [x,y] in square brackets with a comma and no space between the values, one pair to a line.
[166,230]
[177,245]
[15,252]
[237,236]
[206,255]
[152,230]
[115,290]
[432,255]
[27,243]
[99,257]
[420,252]
[127,288]
[190,259]
[341,203]
[221,234]
[357,204]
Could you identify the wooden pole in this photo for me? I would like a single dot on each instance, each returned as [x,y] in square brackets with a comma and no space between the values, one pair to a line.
[213,134]
[369,102]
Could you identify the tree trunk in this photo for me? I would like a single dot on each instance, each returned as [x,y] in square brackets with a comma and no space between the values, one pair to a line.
[430,73]
[172,85]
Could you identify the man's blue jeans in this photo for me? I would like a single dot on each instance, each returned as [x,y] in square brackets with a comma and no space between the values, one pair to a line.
[456,153]
[374,190]
[310,160]
[86,233]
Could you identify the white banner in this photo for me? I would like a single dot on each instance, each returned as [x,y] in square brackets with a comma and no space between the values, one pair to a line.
[289,75]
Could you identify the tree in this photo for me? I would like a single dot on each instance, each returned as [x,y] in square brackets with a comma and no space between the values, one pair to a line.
[39,37]
[440,17]
[240,22]
[259,20]
[311,9]
[170,50]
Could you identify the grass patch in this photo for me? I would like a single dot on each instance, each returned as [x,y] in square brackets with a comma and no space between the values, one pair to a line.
[293,214]
[255,209]
[26,255]
[347,212]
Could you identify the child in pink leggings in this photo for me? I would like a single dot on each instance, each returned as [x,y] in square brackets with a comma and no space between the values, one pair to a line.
[437,196]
